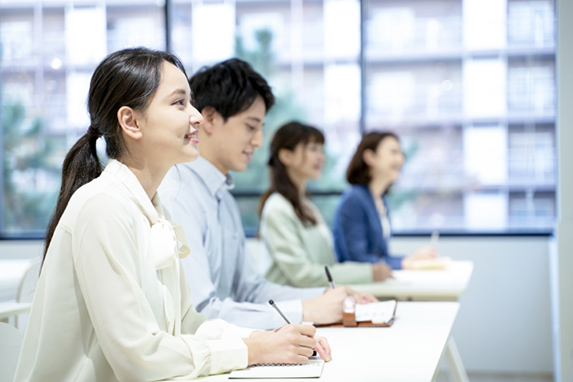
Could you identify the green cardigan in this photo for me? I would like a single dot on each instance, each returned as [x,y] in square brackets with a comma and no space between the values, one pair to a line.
[299,253]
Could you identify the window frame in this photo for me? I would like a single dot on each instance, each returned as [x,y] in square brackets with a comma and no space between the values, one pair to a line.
[168,9]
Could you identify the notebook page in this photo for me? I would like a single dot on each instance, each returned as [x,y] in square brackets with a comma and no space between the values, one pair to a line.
[377,312]
[311,370]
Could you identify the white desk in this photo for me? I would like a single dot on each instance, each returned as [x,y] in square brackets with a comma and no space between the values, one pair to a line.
[431,285]
[434,285]
[12,308]
[409,351]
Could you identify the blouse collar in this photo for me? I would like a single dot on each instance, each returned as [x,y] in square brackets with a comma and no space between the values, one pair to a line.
[135,189]
[167,239]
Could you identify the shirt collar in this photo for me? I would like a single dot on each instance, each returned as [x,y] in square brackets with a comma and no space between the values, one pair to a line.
[211,176]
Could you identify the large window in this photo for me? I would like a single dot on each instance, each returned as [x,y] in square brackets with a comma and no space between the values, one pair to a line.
[49,51]
[469,85]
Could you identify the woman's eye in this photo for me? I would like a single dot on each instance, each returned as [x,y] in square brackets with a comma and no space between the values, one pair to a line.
[180,102]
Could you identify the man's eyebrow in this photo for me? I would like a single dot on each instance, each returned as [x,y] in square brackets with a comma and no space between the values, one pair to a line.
[256,119]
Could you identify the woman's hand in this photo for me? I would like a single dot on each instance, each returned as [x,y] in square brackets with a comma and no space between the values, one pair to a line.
[291,344]
[381,271]
[423,253]
[323,348]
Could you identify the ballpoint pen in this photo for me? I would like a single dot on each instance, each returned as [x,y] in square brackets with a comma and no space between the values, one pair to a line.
[434,239]
[272,303]
[329,277]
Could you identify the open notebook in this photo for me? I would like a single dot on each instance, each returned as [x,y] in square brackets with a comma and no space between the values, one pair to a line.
[313,369]
[379,313]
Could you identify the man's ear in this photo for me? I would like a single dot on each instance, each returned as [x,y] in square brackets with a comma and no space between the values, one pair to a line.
[285,156]
[127,118]
[211,119]
[368,156]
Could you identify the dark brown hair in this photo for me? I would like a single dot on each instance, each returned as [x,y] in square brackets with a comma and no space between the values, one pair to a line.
[358,172]
[288,137]
[128,77]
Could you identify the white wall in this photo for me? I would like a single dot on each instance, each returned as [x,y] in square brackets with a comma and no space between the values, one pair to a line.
[562,264]
[504,323]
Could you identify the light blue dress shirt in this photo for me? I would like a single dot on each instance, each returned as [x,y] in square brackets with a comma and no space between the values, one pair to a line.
[223,278]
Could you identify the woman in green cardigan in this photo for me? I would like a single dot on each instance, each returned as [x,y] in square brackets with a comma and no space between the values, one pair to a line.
[296,237]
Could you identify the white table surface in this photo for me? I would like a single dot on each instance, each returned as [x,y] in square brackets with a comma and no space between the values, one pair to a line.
[12,308]
[11,272]
[432,285]
[410,350]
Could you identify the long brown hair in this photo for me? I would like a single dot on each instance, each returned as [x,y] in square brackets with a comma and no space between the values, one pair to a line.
[128,77]
[288,137]
[358,172]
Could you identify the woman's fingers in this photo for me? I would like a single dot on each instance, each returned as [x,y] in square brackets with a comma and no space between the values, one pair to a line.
[322,348]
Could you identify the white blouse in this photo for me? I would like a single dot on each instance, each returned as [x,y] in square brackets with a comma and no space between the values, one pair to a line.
[384,221]
[112,303]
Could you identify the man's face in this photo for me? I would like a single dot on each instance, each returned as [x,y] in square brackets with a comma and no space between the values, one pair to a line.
[235,140]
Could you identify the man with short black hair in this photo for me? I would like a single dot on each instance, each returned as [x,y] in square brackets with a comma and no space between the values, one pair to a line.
[224,280]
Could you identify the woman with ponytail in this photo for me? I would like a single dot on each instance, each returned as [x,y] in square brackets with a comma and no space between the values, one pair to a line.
[296,236]
[112,303]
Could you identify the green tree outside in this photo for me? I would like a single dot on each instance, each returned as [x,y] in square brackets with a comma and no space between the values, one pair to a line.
[27,167]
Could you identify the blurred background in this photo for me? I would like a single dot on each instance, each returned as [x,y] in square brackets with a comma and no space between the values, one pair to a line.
[469,85]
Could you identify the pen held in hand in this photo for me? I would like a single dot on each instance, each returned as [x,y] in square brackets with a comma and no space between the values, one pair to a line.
[329,277]
[434,239]
[272,303]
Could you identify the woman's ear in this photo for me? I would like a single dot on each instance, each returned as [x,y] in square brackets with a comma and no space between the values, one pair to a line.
[285,157]
[369,157]
[127,118]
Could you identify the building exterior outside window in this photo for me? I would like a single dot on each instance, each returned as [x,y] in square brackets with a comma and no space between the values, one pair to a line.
[469,85]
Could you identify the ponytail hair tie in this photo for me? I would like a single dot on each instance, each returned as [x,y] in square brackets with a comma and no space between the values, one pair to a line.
[93,132]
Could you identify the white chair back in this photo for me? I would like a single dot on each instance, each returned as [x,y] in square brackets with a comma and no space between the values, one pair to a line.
[256,249]
[29,280]
[10,344]
[27,289]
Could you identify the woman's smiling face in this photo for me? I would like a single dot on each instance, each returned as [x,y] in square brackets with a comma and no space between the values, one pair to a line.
[170,123]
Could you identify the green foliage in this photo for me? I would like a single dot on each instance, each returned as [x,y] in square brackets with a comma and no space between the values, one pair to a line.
[256,178]
[26,164]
